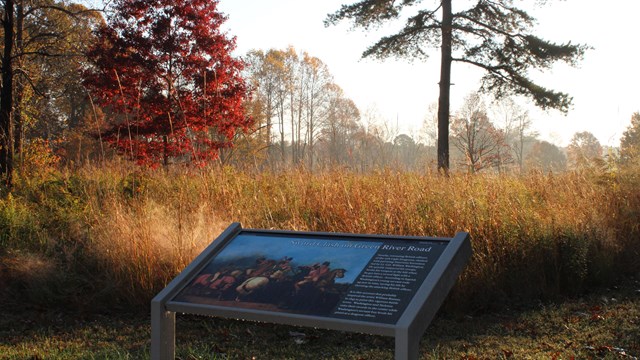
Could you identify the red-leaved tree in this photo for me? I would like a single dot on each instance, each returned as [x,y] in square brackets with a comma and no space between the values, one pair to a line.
[164,74]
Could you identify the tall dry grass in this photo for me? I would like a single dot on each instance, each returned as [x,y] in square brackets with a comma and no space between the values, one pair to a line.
[120,233]
[534,236]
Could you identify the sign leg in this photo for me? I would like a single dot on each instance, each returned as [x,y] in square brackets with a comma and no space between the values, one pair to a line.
[407,347]
[163,333]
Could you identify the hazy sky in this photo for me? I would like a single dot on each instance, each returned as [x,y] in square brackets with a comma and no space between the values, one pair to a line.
[605,87]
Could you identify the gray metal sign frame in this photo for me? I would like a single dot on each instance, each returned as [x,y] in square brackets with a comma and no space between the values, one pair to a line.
[407,331]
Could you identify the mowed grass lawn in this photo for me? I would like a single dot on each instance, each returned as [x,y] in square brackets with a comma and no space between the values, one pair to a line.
[602,325]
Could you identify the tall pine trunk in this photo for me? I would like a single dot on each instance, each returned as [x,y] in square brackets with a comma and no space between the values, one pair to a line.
[6,100]
[445,87]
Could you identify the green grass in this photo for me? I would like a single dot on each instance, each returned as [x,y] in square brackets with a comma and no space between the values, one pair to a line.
[603,325]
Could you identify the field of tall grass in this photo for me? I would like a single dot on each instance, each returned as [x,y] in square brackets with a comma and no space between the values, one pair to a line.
[99,239]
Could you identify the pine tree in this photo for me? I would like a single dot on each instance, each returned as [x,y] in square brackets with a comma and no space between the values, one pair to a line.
[493,35]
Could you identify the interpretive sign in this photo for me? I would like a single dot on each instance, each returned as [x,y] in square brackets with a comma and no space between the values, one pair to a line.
[387,285]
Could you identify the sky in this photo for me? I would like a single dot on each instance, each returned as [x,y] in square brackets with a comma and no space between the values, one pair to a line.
[605,87]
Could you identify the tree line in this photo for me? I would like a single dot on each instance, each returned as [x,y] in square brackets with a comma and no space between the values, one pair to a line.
[43,45]
[156,82]
[305,120]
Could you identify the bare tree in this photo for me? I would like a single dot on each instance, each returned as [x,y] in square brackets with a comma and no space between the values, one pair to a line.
[476,137]
[369,146]
[429,130]
[340,126]
[516,124]
[315,88]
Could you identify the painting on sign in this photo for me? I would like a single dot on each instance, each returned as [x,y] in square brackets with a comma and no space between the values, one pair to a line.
[286,274]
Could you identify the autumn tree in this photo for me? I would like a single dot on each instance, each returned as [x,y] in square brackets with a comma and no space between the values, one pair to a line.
[480,142]
[340,126]
[271,74]
[300,106]
[261,68]
[583,149]
[164,72]
[493,35]
[50,101]
[41,40]
[630,141]
[6,94]
[547,157]
[279,81]
[406,151]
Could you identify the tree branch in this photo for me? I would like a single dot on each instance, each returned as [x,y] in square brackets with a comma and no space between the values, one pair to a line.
[30,81]
[66,11]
